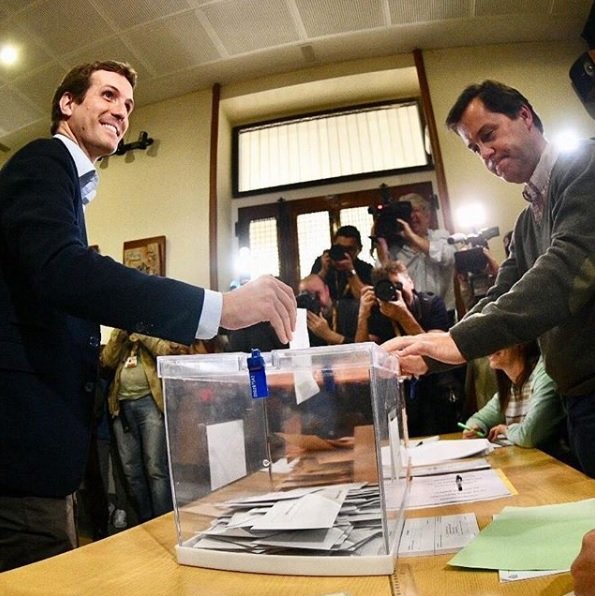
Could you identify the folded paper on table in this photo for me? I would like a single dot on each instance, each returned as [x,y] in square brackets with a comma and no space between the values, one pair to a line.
[523,538]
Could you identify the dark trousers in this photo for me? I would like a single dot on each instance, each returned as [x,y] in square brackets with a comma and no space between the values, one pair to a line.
[581,430]
[35,528]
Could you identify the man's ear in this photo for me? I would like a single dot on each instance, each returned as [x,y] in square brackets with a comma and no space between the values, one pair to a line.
[527,116]
[66,103]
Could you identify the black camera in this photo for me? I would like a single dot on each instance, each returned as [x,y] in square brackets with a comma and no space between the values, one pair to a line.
[473,260]
[337,252]
[386,290]
[308,301]
[385,219]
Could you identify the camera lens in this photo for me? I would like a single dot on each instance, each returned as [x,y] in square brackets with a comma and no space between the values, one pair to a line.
[385,290]
[309,302]
[337,252]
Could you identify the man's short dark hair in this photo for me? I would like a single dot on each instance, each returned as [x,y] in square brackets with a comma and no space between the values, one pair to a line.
[78,80]
[350,232]
[496,97]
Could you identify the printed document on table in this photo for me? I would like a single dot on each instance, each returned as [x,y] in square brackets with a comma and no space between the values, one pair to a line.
[479,485]
[437,535]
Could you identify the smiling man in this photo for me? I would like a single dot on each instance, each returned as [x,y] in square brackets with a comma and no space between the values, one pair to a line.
[54,291]
[545,289]
[97,118]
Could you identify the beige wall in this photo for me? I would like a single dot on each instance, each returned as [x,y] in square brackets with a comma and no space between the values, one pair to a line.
[164,191]
[161,191]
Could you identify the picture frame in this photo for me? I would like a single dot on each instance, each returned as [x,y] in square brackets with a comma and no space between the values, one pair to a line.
[146,255]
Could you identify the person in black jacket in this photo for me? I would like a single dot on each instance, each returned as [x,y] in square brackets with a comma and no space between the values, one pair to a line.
[54,291]
[340,268]
[397,309]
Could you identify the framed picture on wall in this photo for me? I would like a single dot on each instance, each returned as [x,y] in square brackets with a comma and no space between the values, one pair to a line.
[146,255]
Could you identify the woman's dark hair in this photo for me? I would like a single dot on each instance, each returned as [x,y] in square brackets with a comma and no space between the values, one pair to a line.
[529,353]
[496,97]
[78,80]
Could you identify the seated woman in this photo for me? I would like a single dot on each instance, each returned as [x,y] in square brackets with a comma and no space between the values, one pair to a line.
[527,409]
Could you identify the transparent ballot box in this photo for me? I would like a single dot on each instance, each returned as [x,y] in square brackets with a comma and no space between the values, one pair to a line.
[296,482]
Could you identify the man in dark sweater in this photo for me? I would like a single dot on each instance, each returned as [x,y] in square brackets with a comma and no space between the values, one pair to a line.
[545,288]
[54,291]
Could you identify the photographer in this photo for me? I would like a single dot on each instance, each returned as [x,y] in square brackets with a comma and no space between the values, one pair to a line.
[425,252]
[341,270]
[433,402]
[401,310]
[474,283]
[329,323]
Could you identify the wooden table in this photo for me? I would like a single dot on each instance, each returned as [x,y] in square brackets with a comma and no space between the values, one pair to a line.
[141,561]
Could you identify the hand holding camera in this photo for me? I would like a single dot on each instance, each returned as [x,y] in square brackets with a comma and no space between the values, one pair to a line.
[367,302]
[340,258]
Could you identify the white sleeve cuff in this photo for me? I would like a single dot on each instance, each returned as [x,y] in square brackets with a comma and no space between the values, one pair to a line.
[210,317]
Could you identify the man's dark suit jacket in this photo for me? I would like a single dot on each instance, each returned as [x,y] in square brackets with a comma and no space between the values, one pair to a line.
[54,292]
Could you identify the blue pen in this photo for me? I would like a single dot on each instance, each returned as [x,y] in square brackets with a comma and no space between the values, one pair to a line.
[478,432]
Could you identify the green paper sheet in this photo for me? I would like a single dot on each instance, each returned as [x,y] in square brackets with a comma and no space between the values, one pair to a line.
[530,538]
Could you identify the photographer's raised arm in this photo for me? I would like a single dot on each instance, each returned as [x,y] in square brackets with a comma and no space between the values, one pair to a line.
[414,240]
[367,301]
[402,316]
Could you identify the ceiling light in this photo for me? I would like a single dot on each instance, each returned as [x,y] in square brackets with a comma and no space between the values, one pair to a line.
[8,55]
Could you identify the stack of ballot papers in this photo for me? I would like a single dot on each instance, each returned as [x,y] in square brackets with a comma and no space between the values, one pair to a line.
[530,538]
[334,520]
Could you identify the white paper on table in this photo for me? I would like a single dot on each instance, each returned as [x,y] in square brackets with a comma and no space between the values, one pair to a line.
[440,451]
[447,467]
[227,452]
[513,576]
[437,535]
[433,491]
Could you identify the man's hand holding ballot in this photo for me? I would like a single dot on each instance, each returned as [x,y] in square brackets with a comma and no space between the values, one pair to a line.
[410,349]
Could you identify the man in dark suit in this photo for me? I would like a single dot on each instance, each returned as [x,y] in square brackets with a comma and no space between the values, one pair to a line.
[53,293]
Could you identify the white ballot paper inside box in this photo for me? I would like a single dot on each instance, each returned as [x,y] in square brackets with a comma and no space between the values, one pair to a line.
[312,511]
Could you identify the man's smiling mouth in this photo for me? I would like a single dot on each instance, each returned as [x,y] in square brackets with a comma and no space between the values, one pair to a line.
[112,127]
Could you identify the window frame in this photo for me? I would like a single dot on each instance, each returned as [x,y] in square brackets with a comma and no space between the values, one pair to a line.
[236,131]
[286,212]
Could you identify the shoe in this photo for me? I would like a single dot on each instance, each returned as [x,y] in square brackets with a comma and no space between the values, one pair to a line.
[119,519]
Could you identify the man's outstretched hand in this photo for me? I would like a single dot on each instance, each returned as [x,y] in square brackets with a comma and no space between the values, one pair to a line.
[263,299]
